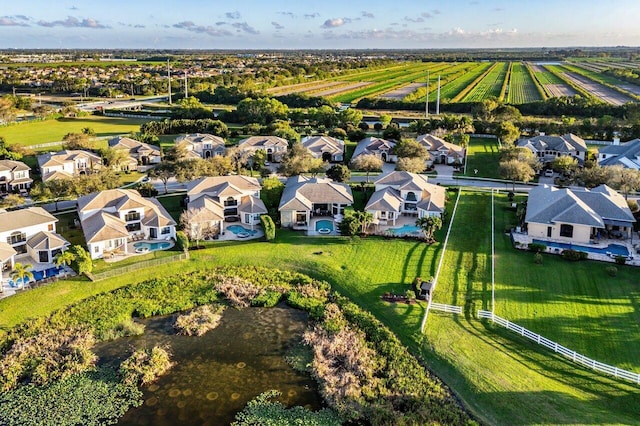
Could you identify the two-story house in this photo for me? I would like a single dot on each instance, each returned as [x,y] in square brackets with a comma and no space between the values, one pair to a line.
[381,148]
[30,231]
[67,164]
[214,200]
[14,176]
[140,153]
[327,148]
[404,193]
[274,146]
[627,154]
[304,198]
[548,148]
[203,144]
[109,218]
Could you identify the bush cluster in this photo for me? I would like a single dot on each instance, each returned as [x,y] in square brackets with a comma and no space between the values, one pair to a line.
[537,248]
[200,320]
[144,366]
[574,255]
[268,226]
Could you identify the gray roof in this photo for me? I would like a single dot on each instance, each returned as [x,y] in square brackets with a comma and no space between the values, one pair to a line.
[220,186]
[13,166]
[433,143]
[61,157]
[17,219]
[373,145]
[263,142]
[103,226]
[563,144]
[593,208]
[387,199]
[300,193]
[134,146]
[318,145]
[627,154]
[47,241]
[252,205]
[205,209]
[198,138]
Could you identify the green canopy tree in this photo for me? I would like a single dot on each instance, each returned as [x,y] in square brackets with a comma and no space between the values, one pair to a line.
[429,225]
[367,163]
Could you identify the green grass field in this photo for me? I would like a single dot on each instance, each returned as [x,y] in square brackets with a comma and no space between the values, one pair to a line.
[483,155]
[501,377]
[522,89]
[490,85]
[39,132]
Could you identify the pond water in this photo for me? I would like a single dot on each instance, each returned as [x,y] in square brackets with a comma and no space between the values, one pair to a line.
[217,374]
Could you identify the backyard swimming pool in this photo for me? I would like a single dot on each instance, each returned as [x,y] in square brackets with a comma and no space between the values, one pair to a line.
[615,249]
[147,247]
[324,226]
[406,230]
[241,232]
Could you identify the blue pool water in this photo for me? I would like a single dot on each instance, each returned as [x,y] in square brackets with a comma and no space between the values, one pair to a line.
[406,230]
[40,275]
[616,249]
[152,246]
[324,224]
[239,229]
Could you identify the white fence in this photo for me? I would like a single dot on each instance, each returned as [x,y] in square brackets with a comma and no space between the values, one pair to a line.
[452,309]
[573,355]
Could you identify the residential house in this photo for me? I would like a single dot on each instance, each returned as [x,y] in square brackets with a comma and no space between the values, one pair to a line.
[14,176]
[403,193]
[381,148]
[140,153]
[274,146]
[202,144]
[626,154]
[109,218]
[29,231]
[325,147]
[577,216]
[441,151]
[548,148]
[305,197]
[68,164]
[214,200]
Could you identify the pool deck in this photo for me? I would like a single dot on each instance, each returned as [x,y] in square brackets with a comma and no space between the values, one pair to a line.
[6,290]
[131,250]
[522,240]
[312,227]
[384,229]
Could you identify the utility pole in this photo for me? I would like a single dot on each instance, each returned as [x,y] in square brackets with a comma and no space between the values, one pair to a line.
[438,98]
[426,107]
[169,74]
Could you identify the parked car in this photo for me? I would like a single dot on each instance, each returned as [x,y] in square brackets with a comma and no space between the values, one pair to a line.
[548,173]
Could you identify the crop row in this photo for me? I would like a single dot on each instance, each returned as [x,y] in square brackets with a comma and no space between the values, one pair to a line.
[490,85]
[447,76]
[603,79]
[473,84]
[558,72]
[505,83]
[388,73]
[541,90]
[522,89]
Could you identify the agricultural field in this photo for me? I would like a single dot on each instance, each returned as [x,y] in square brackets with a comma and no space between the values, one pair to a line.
[402,92]
[606,80]
[522,88]
[490,85]
[598,90]
[552,84]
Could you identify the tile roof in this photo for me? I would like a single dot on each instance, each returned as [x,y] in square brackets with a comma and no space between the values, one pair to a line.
[6,251]
[47,241]
[318,145]
[373,145]
[13,166]
[18,219]
[563,144]
[627,154]
[225,185]
[302,192]
[387,199]
[263,142]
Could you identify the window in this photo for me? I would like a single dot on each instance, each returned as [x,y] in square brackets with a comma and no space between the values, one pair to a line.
[131,227]
[549,230]
[17,237]
[411,196]
[96,249]
[166,230]
[132,216]
[566,231]
[230,202]
[50,227]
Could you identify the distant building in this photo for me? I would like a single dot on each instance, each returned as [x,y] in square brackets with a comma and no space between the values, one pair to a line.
[68,164]
[326,148]
[140,153]
[441,151]
[203,144]
[627,154]
[14,175]
[548,148]
[381,148]
[274,146]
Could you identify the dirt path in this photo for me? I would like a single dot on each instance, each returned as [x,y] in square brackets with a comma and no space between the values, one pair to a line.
[401,92]
[343,89]
[598,90]
[558,90]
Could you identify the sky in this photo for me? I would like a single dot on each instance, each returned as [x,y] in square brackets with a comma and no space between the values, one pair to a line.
[326,24]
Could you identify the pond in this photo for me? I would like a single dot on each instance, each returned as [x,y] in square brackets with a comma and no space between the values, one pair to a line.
[218,373]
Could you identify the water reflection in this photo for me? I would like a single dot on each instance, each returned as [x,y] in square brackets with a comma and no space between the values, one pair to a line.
[217,374]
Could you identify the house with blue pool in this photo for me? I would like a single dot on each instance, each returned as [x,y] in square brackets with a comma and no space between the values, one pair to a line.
[314,205]
[596,220]
[113,218]
[402,197]
[214,203]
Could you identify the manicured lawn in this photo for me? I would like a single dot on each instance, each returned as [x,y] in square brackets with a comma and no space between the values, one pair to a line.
[483,154]
[38,132]
[67,227]
[501,377]
[173,204]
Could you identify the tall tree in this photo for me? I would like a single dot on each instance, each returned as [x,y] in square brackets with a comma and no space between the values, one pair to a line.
[429,225]
[367,163]
[516,170]
[163,171]
[412,165]
[507,132]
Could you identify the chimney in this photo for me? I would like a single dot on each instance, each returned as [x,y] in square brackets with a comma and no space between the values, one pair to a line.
[616,141]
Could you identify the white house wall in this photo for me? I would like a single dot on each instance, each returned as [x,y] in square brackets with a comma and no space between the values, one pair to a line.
[581,233]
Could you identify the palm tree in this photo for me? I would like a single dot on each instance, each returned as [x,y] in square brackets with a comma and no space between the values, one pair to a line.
[64,258]
[20,272]
[364,218]
[429,225]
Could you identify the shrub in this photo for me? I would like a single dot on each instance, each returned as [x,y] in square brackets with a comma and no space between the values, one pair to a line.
[238,291]
[200,320]
[267,299]
[574,255]
[620,260]
[537,247]
[537,258]
[144,366]
[82,263]
[182,241]
[127,327]
[612,271]
[268,227]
